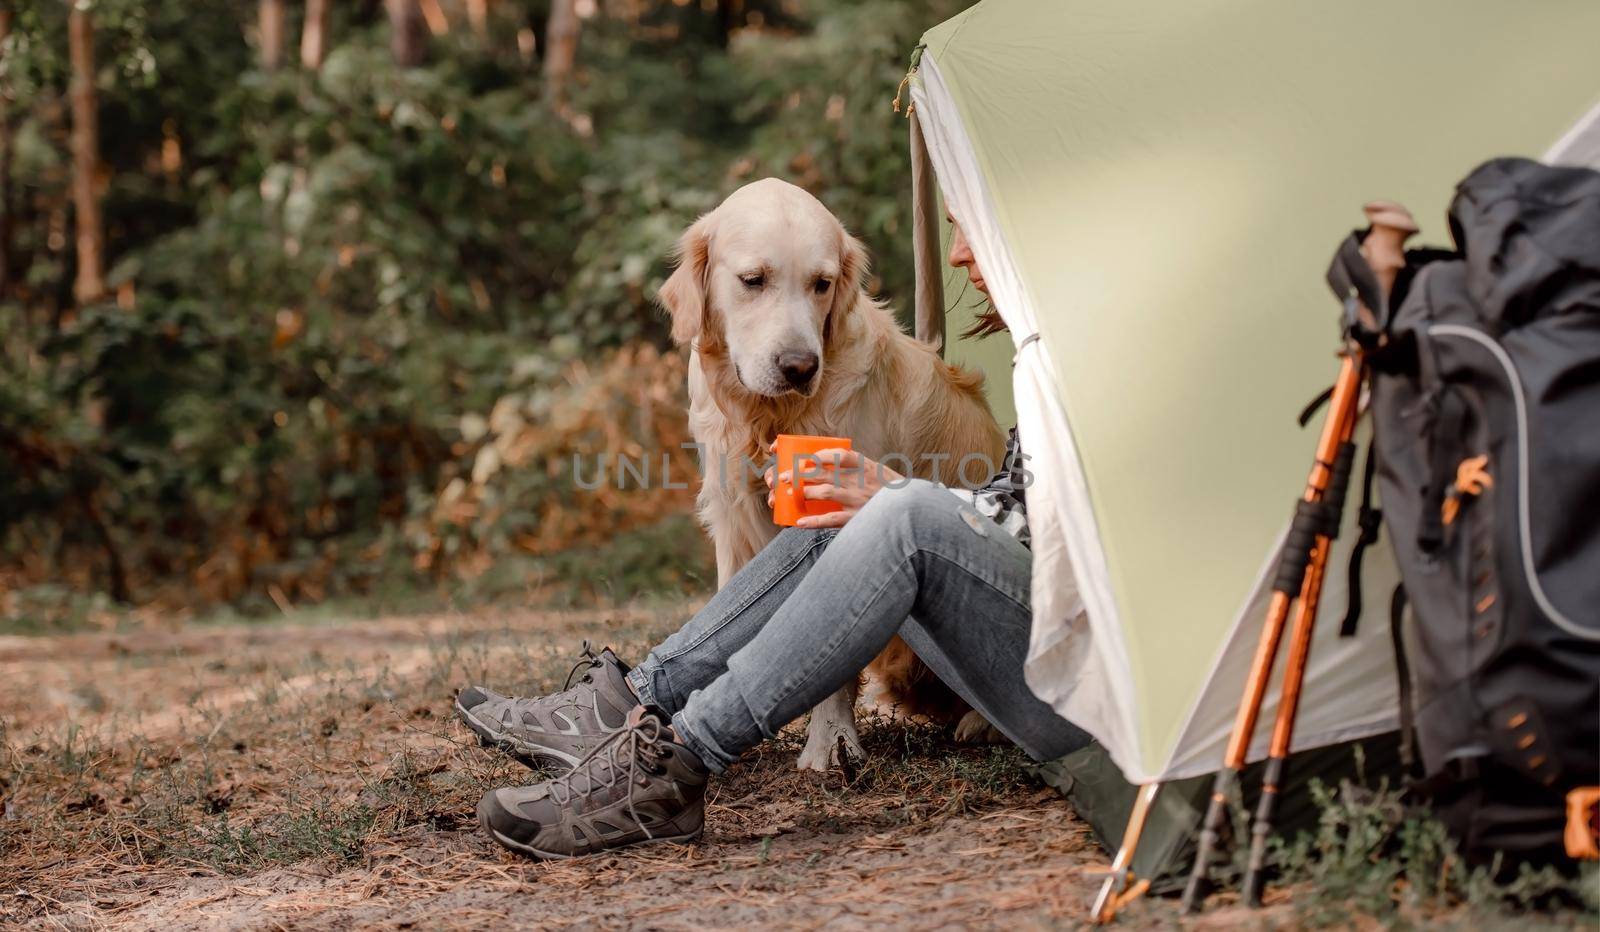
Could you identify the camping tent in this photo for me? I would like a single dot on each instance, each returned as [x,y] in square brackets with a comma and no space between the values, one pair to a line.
[1154,190]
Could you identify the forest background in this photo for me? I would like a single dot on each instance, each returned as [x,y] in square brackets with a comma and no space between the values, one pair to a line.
[311,301]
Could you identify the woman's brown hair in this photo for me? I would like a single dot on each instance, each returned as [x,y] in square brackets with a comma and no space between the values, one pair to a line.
[988,322]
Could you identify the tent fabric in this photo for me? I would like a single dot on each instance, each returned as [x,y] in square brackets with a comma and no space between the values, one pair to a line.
[1154,189]
[1062,659]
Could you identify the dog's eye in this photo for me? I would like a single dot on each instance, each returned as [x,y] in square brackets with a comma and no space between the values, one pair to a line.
[753,281]
[822,286]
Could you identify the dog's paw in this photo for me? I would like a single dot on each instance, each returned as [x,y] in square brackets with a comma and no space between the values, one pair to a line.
[823,742]
[975,729]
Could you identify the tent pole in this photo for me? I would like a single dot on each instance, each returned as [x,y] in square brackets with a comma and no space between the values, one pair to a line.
[927,262]
[1118,890]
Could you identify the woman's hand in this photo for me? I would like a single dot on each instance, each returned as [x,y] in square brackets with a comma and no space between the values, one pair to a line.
[842,476]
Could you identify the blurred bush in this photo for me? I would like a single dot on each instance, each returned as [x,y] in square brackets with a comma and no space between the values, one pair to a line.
[354,313]
[566,461]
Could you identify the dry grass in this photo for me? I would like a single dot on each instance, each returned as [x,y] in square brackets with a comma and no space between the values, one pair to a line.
[310,776]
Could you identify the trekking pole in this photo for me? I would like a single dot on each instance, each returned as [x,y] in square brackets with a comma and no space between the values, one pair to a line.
[1296,557]
[1299,651]
[1384,252]
[1300,569]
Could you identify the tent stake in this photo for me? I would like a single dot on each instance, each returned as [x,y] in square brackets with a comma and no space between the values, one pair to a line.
[1117,882]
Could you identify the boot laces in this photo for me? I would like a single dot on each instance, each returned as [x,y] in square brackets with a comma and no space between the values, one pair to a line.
[509,706]
[588,661]
[635,747]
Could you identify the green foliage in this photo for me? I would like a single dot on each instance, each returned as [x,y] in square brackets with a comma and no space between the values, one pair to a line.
[651,561]
[819,110]
[315,831]
[318,276]
[1371,854]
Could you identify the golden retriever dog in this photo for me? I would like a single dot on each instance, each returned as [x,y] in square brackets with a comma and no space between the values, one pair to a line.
[769,297]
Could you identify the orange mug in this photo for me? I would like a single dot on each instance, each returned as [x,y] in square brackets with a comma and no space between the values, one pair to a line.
[790,452]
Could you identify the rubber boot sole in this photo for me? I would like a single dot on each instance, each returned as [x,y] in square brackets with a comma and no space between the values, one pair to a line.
[517,847]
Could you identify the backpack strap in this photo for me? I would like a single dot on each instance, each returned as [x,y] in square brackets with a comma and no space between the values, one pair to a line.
[1353,281]
[1402,669]
[1444,440]
[1315,405]
[1369,521]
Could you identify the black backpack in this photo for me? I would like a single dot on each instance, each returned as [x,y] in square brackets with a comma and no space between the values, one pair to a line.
[1486,425]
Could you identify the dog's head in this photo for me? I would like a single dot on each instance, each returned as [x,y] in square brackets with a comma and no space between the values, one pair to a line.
[768,276]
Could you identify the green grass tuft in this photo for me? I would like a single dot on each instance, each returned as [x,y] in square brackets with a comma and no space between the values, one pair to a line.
[1373,853]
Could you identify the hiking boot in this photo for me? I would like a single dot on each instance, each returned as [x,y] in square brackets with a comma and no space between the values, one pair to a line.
[641,785]
[557,730]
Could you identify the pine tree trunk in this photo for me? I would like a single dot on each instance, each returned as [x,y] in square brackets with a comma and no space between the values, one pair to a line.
[269,21]
[408,33]
[6,212]
[90,285]
[729,15]
[478,18]
[314,35]
[560,51]
[433,14]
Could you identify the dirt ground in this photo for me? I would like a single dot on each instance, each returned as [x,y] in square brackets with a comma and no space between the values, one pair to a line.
[308,775]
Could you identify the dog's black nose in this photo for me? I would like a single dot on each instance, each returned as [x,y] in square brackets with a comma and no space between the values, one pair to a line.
[798,368]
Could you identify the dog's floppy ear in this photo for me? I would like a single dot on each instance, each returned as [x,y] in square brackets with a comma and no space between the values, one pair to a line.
[684,292]
[853,267]
[854,263]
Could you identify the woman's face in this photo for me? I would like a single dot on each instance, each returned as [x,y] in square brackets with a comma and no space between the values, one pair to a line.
[961,256]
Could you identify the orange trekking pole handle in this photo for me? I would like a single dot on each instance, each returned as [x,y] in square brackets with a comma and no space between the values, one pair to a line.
[1385,246]
[1300,576]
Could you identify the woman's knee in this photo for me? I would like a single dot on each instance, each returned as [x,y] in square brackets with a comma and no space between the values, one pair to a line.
[906,508]
[801,538]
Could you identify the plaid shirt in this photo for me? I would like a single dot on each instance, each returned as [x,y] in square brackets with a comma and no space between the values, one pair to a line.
[1002,498]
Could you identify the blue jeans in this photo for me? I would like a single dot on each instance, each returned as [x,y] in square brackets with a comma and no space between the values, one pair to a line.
[813,608]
